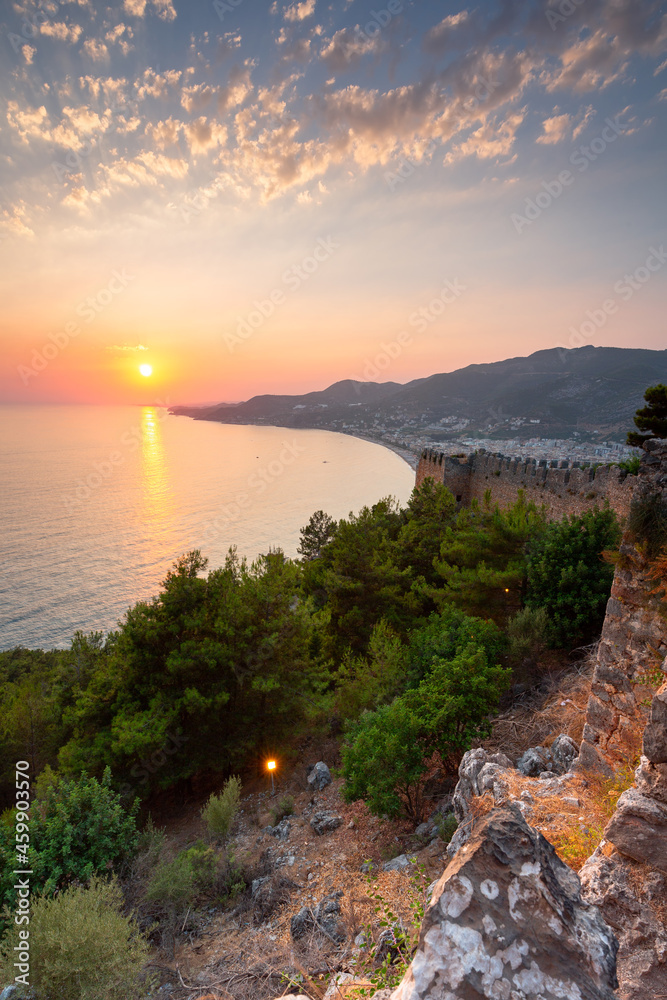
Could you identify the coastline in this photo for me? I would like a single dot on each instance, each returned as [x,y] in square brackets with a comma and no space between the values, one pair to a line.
[408,456]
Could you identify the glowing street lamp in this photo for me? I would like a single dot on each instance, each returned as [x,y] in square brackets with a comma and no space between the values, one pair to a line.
[271,766]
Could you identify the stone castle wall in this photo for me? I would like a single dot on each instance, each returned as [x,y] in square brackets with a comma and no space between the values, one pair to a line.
[632,651]
[563,487]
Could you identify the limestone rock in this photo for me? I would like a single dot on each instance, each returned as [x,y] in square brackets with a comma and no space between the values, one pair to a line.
[325,822]
[400,864]
[473,765]
[325,918]
[655,734]
[563,752]
[256,887]
[638,828]
[612,885]
[334,991]
[319,776]
[534,761]
[507,922]
[301,923]
[281,831]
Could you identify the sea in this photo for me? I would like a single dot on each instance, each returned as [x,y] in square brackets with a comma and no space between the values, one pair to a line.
[98,501]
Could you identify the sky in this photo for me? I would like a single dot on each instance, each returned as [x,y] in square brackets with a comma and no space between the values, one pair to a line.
[250,196]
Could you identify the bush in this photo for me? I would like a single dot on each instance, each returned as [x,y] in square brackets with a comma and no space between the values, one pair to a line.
[178,883]
[527,634]
[648,522]
[446,826]
[568,577]
[283,807]
[220,810]
[78,828]
[386,753]
[82,947]
[370,681]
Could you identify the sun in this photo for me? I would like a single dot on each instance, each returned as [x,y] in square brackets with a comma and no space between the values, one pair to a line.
[146,370]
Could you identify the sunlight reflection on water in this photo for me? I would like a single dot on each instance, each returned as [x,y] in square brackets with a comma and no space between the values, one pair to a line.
[98,502]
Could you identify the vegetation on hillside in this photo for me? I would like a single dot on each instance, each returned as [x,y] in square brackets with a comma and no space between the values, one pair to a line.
[402,626]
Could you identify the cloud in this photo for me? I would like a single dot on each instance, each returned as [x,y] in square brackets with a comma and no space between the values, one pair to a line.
[28,53]
[203,135]
[299,11]
[127,347]
[348,46]
[158,84]
[137,8]
[163,8]
[63,32]
[492,140]
[96,50]
[115,36]
[165,133]
[438,38]
[554,129]
[590,64]
[13,222]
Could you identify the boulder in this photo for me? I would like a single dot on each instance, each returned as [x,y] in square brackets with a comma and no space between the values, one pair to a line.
[319,776]
[534,761]
[564,752]
[638,828]
[256,886]
[325,918]
[325,822]
[400,864]
[507,922]
[301,923]
[282,830]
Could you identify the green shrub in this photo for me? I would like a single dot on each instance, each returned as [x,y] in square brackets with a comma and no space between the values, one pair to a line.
[78,828]
[648,522]
[631,465]
[283,807]
[446,826]
[220,810]
[366,682]
[386,753]
[82,947]
[527,633]
[568,577]
[178,883]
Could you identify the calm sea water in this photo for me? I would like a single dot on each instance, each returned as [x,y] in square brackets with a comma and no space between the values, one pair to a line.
[97,502]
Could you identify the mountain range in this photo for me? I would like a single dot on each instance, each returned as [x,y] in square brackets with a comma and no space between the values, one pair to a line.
[591,392]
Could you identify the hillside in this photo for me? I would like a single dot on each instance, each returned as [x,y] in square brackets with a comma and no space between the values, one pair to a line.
[590,391]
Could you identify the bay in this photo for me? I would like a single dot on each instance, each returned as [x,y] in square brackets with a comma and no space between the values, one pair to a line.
[97,502]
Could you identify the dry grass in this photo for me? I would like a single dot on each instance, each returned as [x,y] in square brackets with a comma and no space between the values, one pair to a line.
[561,708]
[573,820]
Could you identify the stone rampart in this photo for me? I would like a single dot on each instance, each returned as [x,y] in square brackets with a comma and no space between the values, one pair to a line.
[563,487]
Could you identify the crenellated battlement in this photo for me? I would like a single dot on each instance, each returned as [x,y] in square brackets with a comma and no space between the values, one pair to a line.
[563,487]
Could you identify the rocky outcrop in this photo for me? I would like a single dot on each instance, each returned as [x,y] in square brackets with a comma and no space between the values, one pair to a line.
[319,776]
[400,864]
[629,898]
[506,922]
[638,827]
[633,642]
[479,771]
[325,822]
[324,918]
[629,882]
